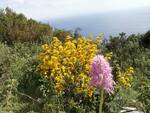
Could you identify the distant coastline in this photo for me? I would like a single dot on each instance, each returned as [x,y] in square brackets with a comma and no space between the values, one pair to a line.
[111,23]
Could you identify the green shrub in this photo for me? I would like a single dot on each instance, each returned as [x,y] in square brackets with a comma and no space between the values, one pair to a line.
[17,28]
[128,51]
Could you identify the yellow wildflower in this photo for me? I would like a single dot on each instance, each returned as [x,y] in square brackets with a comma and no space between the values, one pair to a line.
[108,56]
[124,79]
[68,62]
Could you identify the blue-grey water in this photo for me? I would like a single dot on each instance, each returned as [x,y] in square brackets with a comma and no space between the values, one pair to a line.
[110,23]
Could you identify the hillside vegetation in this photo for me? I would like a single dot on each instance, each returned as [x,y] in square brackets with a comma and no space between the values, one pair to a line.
[28,84]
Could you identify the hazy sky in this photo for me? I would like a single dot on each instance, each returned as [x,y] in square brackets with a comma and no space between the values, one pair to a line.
[44,9]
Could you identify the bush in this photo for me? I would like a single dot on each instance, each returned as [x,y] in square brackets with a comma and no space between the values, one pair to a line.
[127,52]
[17,28]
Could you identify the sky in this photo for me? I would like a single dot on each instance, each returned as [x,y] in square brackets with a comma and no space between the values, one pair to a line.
[50,9]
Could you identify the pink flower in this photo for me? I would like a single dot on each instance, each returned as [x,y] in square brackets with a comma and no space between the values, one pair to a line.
[101,74]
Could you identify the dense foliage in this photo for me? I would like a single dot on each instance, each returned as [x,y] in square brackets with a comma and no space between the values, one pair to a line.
[18,28]
[131,51]
[41,77]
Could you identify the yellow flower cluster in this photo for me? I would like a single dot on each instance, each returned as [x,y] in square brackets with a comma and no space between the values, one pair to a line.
[68,63]
[125,78]
[108,56]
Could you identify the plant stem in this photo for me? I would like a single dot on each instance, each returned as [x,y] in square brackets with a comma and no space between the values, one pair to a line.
[101,100]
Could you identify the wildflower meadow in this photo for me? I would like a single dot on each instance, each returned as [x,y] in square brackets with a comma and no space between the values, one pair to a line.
[56,71]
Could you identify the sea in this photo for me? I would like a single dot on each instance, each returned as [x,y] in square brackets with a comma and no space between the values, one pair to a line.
[109,24]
